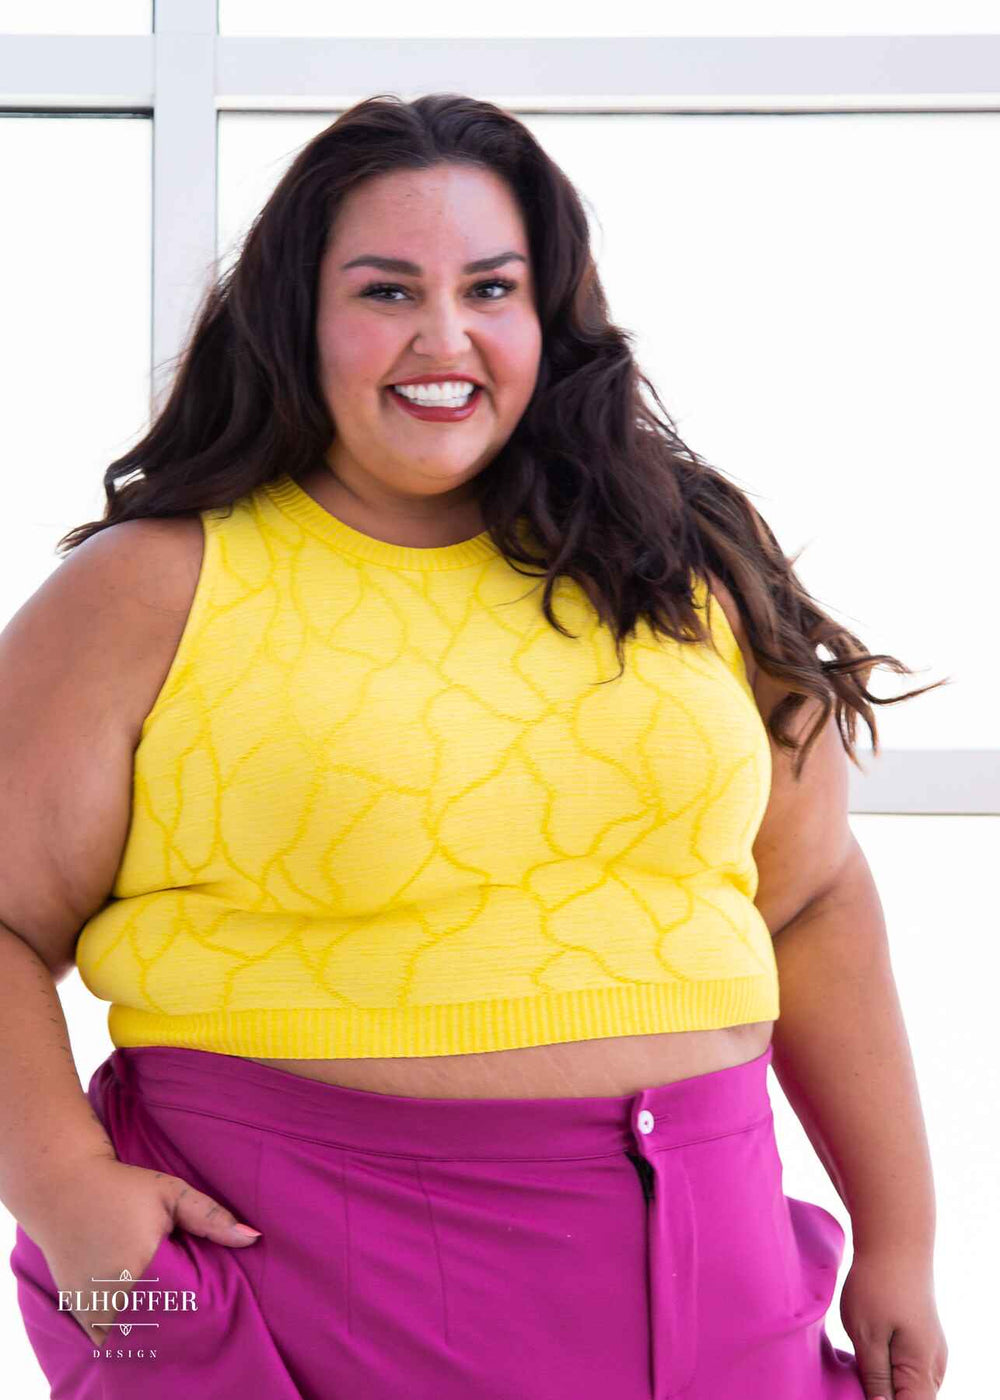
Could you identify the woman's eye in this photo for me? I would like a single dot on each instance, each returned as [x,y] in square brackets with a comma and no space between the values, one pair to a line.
[376,288]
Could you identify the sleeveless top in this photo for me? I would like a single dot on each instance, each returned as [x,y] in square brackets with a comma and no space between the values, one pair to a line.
[381,807]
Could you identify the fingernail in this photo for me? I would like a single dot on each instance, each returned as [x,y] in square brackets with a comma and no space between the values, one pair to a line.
[246,1230]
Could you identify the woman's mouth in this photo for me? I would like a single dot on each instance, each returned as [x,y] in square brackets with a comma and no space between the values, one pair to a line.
[448,411]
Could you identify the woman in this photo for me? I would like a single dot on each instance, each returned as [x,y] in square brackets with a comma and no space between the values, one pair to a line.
[438,949]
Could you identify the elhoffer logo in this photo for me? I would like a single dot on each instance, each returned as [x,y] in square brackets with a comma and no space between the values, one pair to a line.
[123,1300]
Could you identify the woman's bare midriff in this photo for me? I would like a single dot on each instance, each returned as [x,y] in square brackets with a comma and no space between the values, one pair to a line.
[571,1070]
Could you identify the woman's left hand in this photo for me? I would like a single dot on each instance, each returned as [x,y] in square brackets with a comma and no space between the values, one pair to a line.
[889,1312]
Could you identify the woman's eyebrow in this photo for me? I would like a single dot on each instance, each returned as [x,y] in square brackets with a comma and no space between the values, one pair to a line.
[412,270]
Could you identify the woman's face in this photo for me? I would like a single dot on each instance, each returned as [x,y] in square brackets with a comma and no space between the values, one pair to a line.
[376,327]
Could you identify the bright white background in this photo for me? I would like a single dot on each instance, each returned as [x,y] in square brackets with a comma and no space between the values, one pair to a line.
[813,295]
[523,17]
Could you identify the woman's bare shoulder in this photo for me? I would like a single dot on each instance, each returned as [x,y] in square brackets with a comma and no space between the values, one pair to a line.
[145,572]
[158,558]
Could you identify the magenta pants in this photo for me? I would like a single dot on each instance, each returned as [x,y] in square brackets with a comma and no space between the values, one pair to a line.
[636,1247]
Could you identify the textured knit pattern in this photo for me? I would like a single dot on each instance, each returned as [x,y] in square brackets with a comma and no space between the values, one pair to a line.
[382,807]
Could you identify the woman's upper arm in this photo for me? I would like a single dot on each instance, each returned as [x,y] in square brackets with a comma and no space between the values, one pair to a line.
[804,839]
[81,663]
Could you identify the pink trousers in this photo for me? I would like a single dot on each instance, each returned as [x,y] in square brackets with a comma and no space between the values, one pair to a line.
[626,1248]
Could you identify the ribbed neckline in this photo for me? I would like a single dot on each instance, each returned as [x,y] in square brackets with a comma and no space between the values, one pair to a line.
[289,497]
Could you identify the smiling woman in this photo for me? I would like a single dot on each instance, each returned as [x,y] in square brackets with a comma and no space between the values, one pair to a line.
[438,326]
[461,937]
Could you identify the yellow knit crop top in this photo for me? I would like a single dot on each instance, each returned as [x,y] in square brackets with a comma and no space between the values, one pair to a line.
[382,807]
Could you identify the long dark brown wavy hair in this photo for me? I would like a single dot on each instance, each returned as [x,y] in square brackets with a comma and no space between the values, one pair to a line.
[614,498]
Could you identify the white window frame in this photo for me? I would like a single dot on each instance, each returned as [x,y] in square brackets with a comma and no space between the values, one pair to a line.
[184,73]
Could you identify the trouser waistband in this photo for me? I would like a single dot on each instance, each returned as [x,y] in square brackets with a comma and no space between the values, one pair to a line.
[648,1121]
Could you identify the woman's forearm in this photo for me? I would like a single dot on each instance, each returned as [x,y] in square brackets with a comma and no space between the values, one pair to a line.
[46,1120]
[842,1057]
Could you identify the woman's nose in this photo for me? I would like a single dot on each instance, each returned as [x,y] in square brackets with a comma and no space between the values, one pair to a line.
[443,330]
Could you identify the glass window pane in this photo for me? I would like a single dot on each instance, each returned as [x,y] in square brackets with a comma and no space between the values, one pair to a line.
[813,297]
[75,269]
[553,18]
[72,17]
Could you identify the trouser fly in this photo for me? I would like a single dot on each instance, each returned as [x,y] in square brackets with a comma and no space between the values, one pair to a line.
[646,1174]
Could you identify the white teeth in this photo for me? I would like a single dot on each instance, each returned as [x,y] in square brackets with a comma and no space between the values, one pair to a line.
[454,393]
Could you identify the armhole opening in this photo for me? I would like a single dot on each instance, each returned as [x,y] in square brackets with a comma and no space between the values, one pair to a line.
[728,647]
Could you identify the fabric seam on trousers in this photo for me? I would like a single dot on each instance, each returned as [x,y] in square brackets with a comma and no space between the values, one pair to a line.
[437,1250]
[263,1268]
[259,1289]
